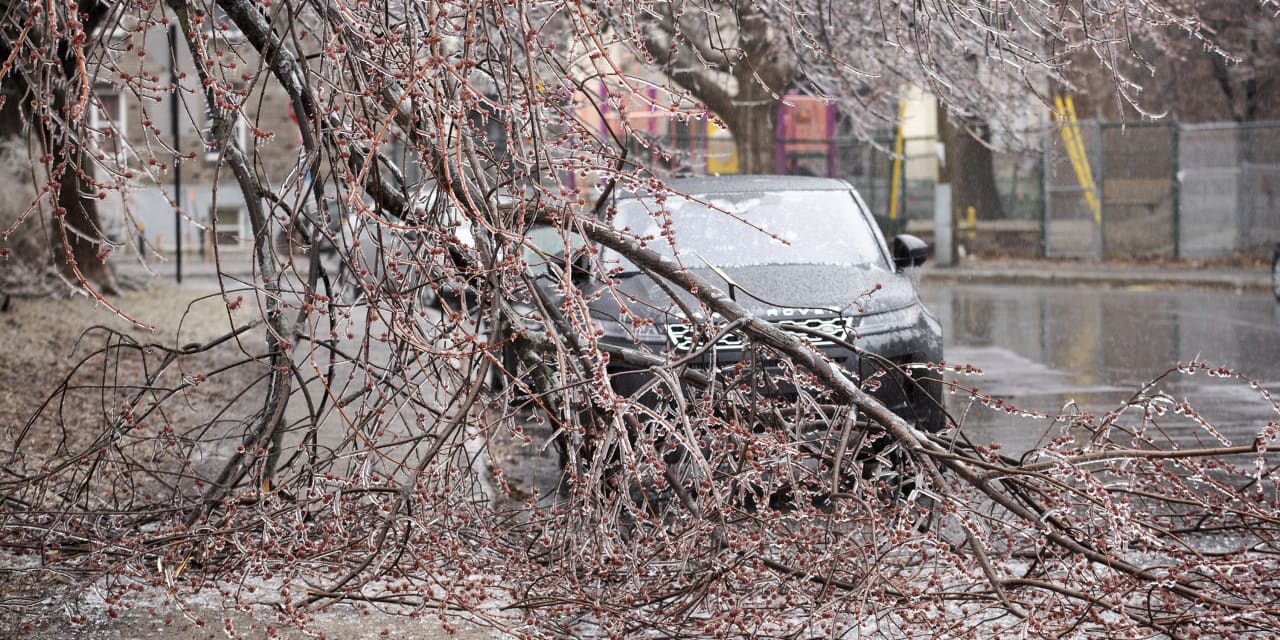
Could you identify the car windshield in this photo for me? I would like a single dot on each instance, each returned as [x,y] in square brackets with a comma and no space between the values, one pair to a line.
[762,228]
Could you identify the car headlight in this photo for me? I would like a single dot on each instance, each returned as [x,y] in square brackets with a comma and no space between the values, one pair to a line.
[904,317]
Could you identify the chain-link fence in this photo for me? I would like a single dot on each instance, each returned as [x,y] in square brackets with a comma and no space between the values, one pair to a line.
[1069,219]
[1229,197]
[1136,179]
[1091,190]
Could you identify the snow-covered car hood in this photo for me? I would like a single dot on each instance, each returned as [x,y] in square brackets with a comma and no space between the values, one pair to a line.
[772,292]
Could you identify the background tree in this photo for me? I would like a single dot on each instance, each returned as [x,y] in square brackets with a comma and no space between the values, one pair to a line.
[1235,79]
[359,456]
[44,108]
[728,55]
[741,59]
[1250,78]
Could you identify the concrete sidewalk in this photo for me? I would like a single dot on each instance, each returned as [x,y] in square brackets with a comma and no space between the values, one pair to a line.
[1172,275]
[972,270]
[197,273]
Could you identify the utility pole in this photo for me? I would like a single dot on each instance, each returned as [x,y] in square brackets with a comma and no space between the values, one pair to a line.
[174,112]
[944,218]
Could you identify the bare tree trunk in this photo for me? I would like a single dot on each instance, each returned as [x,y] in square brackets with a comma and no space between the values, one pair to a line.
[78,235]
[75,237]
[754,129]
[972,169]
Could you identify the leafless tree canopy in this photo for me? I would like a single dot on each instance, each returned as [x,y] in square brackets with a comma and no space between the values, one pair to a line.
[365,453]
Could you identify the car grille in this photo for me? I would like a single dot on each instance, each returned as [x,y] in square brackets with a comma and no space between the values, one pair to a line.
[681,335]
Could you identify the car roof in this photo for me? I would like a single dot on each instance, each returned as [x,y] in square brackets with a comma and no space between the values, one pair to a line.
[749,183]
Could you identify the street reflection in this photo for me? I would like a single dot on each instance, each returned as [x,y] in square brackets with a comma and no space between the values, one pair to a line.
[1044,349]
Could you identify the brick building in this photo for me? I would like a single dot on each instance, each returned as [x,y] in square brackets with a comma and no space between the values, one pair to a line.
[208,192]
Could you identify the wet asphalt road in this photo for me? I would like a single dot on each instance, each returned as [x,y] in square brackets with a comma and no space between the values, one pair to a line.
[1042,348]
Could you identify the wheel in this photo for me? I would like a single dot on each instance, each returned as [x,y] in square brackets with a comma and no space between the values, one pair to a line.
[1275,273]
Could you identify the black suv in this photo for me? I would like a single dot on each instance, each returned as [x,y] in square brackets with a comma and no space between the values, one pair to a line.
[802,252]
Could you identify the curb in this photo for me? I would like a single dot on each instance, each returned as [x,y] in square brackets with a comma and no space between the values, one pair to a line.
[1101,275]
[1237,283]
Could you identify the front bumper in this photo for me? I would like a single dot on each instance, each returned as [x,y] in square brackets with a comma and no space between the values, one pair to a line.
[888,359]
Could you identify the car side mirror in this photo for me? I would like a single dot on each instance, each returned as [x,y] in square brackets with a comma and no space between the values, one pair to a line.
[579,268]
[909,251]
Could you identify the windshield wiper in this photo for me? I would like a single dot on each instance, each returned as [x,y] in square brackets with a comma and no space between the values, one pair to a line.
[733,286]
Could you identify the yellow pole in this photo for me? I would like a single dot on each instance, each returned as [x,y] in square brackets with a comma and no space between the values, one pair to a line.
[897,161]
[1074,143]
[1091,188]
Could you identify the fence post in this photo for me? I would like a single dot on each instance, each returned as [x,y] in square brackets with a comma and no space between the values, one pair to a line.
[1045,136]
[831,140]
[780,136]
[1175,192]
[943,241]
[1101,186]
[870,161]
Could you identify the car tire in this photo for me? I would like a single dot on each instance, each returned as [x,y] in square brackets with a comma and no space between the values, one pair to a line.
[1275,273]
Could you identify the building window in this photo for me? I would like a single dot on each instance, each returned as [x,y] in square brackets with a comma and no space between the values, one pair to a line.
[227,224]
[239,135]
[108,119]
